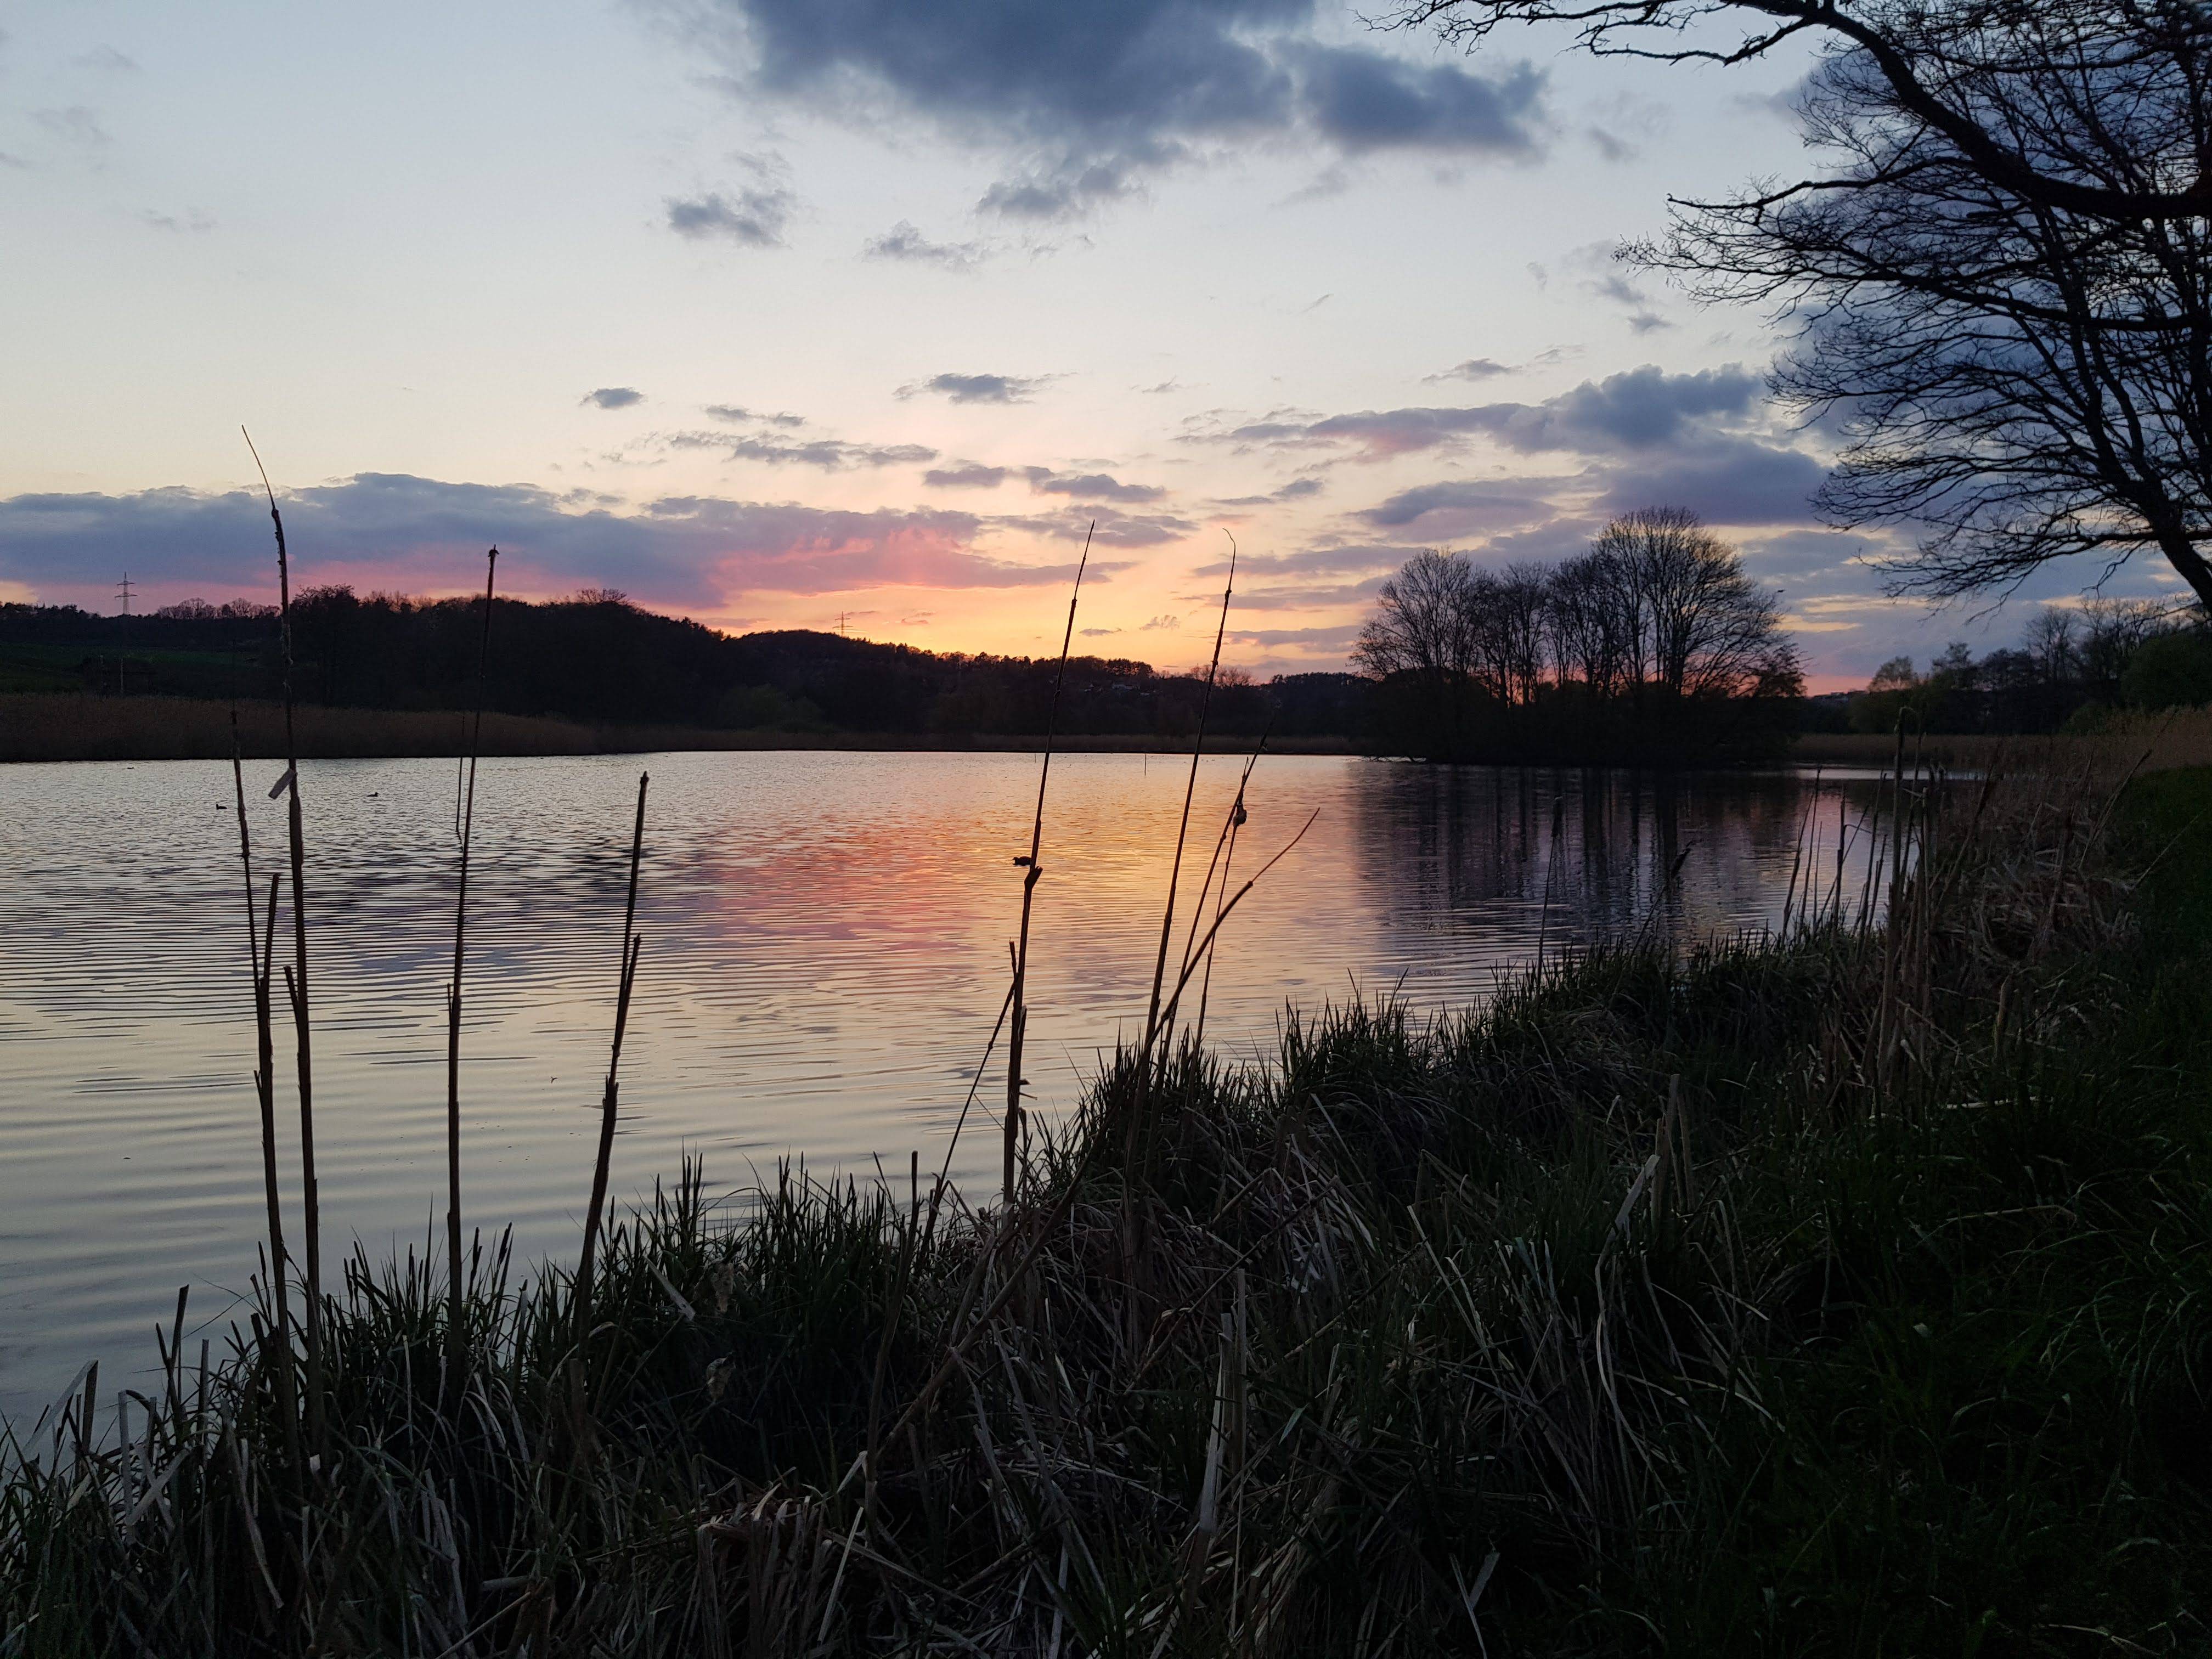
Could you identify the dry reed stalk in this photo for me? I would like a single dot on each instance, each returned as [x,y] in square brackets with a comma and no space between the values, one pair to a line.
[607,1100]
[1031,870]
[1182,826]
[467,797]
[1236,820]
[295,975]
[265,1089]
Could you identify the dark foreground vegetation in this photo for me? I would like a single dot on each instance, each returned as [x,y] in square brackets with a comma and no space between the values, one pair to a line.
[597,660]
[1849,1292]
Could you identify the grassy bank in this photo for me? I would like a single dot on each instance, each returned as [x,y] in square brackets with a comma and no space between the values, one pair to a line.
[62,727]
[2157,742]
[1846,1294]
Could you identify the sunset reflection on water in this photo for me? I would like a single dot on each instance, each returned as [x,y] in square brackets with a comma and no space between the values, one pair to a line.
[825,948]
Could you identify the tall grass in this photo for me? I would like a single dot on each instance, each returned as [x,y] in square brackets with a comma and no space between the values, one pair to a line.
[1849,1291]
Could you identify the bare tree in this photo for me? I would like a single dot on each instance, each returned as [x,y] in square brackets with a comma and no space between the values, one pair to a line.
[1696,623]
[1425,627]
[2002,277]
[1929,55]
[1658,616]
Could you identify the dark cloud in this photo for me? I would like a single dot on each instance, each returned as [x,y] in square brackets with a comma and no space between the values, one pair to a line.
[1364,101]
[613,396]
[1090,96]
[1089,486]
[1724,481]
[1460,507]
[107,60]
[752,217]
[969,475]
[393,528]
[905,242]
[831,454]
[1640,409]
[738,415]
[978,388]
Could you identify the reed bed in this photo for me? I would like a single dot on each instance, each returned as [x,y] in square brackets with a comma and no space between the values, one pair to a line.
[1841,1292]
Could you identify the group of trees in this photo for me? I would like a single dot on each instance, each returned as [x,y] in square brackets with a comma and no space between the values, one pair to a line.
[1654,646]
[2072,666]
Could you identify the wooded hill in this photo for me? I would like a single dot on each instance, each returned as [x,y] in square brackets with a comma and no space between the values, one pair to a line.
[597,658]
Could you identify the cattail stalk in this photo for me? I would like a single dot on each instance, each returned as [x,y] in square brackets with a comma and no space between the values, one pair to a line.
[455,1345]
[1019,1005]
[1182,828]
[295,973]
[260,944]
[627,980]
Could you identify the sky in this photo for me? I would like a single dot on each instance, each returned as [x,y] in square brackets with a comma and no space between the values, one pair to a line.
[862,313]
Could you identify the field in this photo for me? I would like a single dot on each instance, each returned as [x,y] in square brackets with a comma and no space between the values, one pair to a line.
[1843,1292]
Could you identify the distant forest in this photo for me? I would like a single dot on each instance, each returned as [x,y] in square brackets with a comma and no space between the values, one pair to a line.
[597,657]
[2074,667]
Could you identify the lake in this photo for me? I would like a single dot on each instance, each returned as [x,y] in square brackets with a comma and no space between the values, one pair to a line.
[825,951]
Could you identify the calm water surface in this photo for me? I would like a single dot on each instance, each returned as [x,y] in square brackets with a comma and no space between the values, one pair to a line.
[825,950]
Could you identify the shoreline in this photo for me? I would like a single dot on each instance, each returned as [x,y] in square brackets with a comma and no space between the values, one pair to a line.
[59,727]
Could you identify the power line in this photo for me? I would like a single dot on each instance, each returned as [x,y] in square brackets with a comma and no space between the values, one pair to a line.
[123,590]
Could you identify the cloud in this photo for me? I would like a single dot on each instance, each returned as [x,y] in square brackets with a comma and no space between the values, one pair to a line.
[1296,491]
[73,124]
[737,415]
[753,218]
[1088,486]
[1088,97]
[903,242]
[107,59]
[1474,369]
[192,223]
[1637,409]
[978,388]
[1157,622]
[1114,528]
[1724,481]
[396,529]
[1309,597]
[613,396]
[1596,269]
[1364,101]
[1338,639]
[1460,507]
[969,475]
[831,454]
[1323,558]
